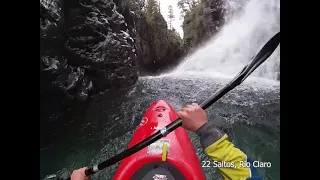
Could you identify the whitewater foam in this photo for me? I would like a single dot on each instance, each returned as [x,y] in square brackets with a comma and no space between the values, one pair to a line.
[225,54]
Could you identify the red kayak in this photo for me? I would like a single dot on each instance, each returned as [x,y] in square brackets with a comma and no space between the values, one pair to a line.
[173,157]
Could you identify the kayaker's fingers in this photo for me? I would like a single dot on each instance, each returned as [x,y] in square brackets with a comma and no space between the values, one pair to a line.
[79,174]
[185,109]
[182,114]
[195,104]
[197,108]
[189,106]
[190,109]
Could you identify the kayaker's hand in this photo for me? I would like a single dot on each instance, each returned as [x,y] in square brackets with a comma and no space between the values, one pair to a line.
[79,174]
[193,117]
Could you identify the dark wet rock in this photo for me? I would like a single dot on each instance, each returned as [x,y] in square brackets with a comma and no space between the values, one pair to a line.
[86,46]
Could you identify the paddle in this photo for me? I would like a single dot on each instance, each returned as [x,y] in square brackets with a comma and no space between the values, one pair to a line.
[264,53]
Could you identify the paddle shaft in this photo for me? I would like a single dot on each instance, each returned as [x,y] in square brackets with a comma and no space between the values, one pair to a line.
[263,54]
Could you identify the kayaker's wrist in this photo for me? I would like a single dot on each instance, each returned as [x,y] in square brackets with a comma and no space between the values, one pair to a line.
[203,126]
[209,134]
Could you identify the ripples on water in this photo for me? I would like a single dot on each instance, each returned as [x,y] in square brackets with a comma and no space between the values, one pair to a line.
[250,114]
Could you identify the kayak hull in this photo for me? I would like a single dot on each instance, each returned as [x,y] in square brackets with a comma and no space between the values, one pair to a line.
[180,151]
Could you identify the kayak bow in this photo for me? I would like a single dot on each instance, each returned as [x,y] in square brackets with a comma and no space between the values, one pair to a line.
[171,157]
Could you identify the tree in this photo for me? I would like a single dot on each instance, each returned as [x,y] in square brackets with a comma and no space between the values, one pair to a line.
[152,6]
[170,16]
[186,5]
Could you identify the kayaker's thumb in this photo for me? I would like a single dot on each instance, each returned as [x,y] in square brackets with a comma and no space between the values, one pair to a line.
[182,115]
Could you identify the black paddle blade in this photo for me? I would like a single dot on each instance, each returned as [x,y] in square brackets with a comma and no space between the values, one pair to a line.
[264,54]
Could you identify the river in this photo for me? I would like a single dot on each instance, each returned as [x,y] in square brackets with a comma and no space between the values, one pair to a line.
[249,114]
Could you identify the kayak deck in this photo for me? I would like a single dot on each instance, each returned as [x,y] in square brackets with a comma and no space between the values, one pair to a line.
[171,157]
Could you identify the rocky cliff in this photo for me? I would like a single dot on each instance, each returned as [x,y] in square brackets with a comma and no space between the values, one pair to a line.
[86,47]
[90,46]
[159,47]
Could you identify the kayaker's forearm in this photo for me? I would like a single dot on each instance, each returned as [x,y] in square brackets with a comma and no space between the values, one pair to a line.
[230,160]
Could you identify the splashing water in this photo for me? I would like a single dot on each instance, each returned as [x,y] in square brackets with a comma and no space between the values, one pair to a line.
[238,41]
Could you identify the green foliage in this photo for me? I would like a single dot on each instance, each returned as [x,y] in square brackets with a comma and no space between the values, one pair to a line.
[193,26]
[170,16]
[186,6]
[152,7]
